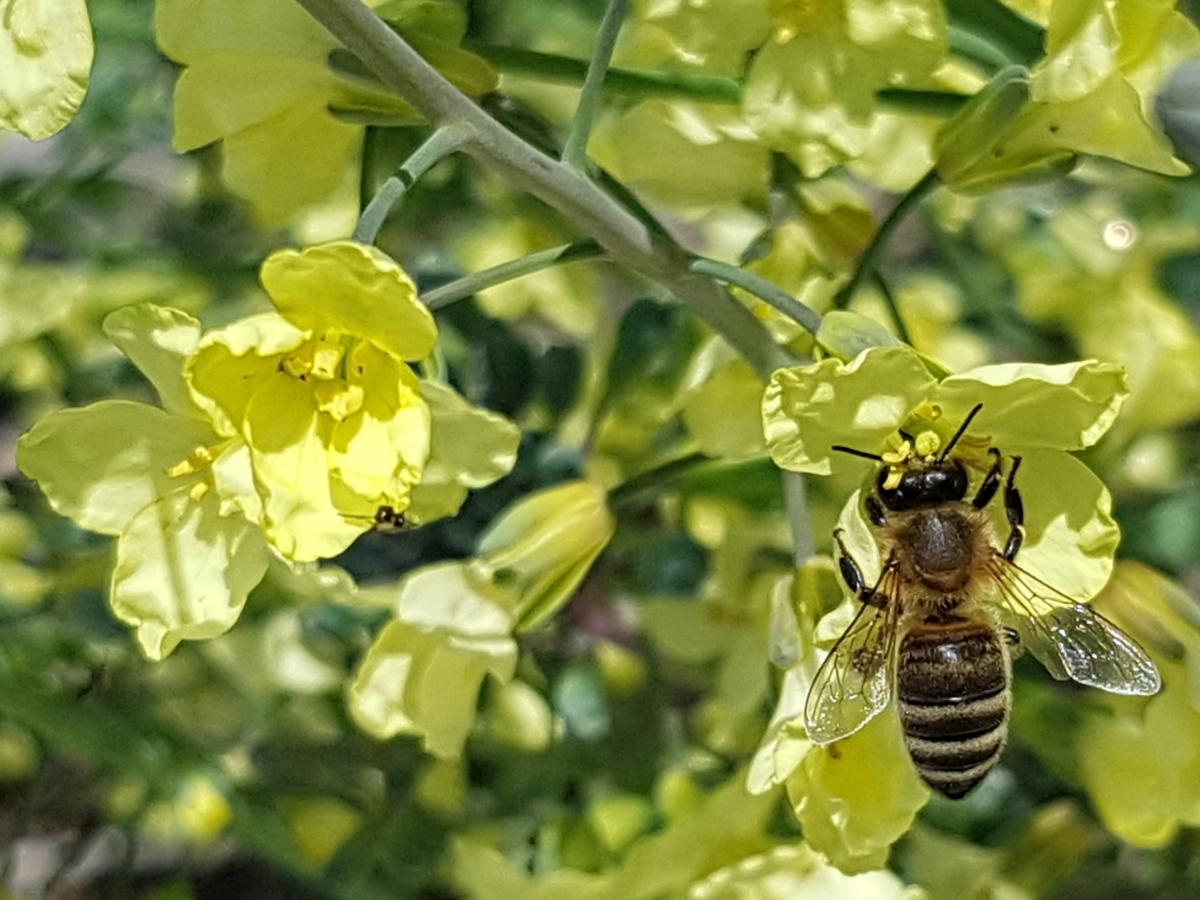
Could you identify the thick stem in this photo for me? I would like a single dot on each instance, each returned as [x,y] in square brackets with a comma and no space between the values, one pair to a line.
[870,256]
[804,316]
[575,149]
[471,284]
[438,146]
[627,239]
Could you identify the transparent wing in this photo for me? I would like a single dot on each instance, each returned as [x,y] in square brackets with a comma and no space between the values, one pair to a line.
[854,683]
[1071,640]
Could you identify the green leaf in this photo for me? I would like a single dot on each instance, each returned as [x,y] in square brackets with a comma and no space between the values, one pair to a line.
[100,465]
[158,341]
[46,57]
[808,409]
[184,570]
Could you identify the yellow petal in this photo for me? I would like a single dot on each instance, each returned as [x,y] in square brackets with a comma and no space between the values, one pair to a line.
[157,340]
[352,289]
[46,57]
[231,362]
[183,571]
[808,409]
[101,464]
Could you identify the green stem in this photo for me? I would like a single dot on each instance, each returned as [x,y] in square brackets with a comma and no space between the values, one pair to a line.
[579,200]
[575,149]
[1020,39]
[443,142]
[795,500]
[655,477]
[893,307]
[469,285]
[870,256]
[804,316]
[635,83]
[922,103]
[978,49]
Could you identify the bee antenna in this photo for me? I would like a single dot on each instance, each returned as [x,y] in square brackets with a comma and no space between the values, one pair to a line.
[962,429]
[863,453]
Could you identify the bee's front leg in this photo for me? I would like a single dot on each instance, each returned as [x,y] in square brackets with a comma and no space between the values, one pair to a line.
[853,576]
[1014,509]
[991,481]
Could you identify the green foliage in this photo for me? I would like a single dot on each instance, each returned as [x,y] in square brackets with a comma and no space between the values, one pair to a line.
[521,593]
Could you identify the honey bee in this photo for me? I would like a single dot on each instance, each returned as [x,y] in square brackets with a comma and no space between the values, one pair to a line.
[938,630]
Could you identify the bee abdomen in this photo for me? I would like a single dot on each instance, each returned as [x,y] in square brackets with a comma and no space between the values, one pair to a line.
[953,704]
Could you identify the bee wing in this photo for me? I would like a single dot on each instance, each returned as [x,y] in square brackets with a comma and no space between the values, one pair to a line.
[1070,639]
[854,683]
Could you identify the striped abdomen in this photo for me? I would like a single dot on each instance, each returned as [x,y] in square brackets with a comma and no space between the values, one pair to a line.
[952,684]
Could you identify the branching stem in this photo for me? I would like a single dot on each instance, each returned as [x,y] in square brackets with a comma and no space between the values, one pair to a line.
[871,256]
[575,149]
[471,284]
[804,316]
[626,239]
[443,142]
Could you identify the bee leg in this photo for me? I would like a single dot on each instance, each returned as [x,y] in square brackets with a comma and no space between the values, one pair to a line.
[853,576]
[1013,638]
[991,482]
[1014,509]
[875,512]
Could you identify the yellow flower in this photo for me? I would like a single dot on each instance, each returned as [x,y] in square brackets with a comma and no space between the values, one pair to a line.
[322,394]
[258,76]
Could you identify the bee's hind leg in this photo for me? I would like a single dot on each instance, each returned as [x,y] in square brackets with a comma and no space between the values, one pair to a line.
[1014,509]
[853,576]
[1013,639]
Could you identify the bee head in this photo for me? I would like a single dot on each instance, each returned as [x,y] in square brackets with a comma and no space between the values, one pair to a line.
[918,476]
[921,483]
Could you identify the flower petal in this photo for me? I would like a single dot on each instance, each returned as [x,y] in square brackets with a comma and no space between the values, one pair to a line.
[1066,407]
[1070,534]
[291,471]
[857,797]
[471,448]
[353,289]
[380,452]
[46,57]
[184,570]
[422,675]
[231,362]
[158,340]
[808,409]
[102,464]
